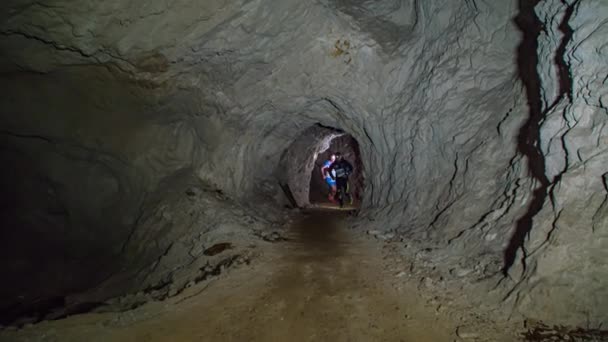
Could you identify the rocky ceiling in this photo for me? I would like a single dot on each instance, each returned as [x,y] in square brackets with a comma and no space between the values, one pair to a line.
[481,125]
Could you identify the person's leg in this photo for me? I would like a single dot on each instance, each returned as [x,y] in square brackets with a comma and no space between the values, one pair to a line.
[347,192]
[332,195]
[332,189]
[341,184]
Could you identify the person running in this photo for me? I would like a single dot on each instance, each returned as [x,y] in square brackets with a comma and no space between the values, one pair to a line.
[327,177]
[342,169]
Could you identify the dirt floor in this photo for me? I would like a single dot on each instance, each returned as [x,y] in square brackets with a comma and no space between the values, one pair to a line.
[325,283]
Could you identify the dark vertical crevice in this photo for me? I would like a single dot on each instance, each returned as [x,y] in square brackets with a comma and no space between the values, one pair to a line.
[564,76]
[529,134]
[565,79]
[528,141]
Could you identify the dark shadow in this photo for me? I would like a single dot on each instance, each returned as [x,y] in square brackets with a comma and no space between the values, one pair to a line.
[338,130]
[318,229]
[565,79]
[528,140]
[529,134]
[288,194]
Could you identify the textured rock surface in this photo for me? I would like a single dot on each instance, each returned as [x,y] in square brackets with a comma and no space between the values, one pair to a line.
[569,239]
[483,137]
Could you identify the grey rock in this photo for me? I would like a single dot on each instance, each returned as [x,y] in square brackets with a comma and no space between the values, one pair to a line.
[123,124]
[381,235]
[387,236]
[461,272]
[274,237]
[466,333]
[427,282]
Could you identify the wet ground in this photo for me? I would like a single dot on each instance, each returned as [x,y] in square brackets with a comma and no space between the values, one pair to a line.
[326,283]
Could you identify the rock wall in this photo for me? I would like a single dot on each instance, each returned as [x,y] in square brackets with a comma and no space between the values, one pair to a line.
[83,149]
[561,267]
[487,120]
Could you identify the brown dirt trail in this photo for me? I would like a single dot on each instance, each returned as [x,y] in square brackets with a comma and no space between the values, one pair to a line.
[327,283]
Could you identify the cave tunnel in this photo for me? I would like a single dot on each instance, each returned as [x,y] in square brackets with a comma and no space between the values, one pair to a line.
[300,166]
[349,148]
[149,151]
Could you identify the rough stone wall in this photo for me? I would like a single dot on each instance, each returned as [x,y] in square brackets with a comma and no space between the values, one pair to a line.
[562,266]
[302,73]
[430,89]
[83,149]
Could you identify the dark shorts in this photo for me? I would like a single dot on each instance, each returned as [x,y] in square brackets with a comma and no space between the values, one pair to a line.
[342,183]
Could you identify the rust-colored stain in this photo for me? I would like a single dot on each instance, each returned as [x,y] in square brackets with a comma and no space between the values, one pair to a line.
[340,48]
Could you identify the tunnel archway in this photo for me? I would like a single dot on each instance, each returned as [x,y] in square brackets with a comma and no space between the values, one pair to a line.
[299,168]
[348,146]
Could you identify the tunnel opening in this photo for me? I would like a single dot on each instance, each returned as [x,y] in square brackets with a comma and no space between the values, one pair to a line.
[300,174]
[320,192]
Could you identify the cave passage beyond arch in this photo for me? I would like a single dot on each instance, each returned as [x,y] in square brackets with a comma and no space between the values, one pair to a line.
[348,146]
[299,171]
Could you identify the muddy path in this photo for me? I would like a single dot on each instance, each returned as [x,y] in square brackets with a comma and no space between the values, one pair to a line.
[331,287]
[326,283]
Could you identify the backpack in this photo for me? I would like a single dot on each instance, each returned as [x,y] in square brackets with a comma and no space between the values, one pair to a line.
[343,169]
